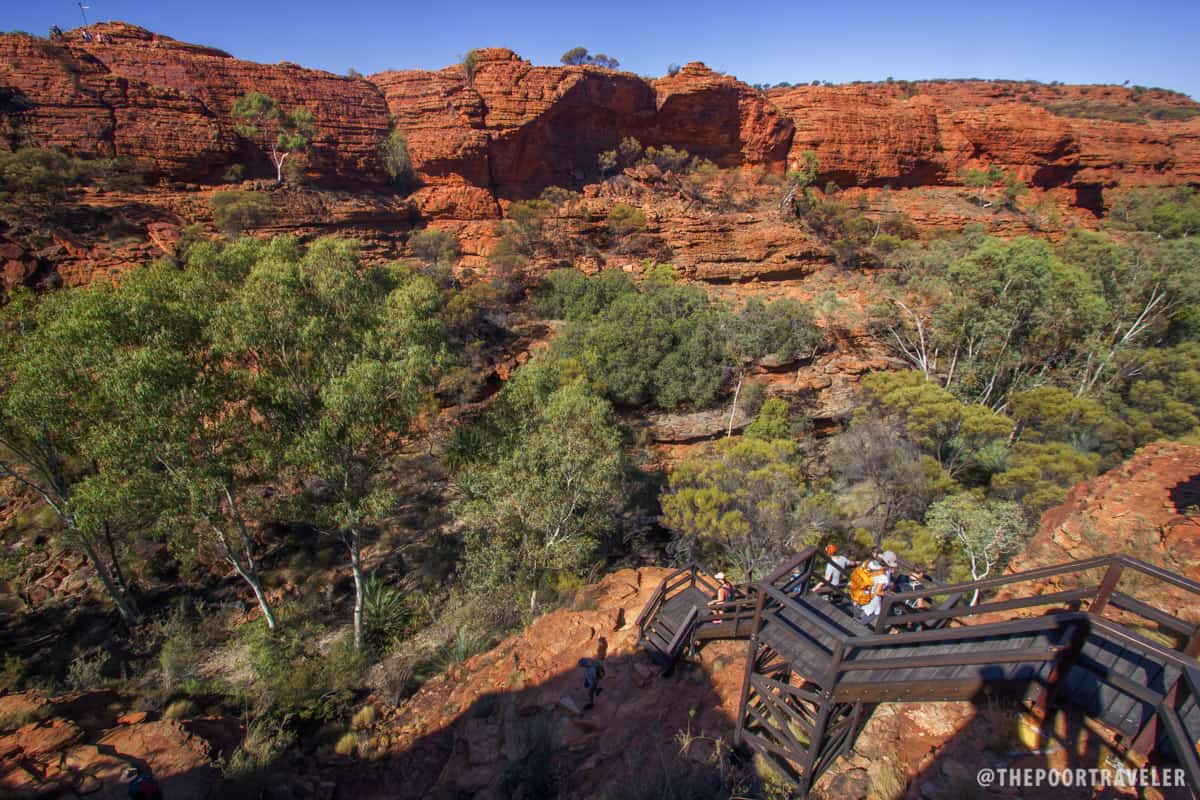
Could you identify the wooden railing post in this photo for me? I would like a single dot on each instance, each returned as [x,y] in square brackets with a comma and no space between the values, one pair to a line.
[751,658]
[1107,586]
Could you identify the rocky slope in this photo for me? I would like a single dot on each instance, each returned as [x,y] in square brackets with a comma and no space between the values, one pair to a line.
[1148,508]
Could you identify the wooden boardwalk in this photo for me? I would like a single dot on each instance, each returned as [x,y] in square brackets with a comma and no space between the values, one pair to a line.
[814,668]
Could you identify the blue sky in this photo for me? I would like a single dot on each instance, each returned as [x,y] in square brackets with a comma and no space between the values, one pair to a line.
[1148,42]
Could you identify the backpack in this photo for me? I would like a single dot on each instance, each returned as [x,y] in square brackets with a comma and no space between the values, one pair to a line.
[862,582]
[593,674]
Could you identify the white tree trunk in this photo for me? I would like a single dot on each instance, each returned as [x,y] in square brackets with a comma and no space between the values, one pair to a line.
[352,544]
[733,410]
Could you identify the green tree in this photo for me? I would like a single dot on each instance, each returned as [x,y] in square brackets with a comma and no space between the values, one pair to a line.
[957,435]
[1158,394]
[393,151]
[624,219]
[982,179]
[575,56]
[773,421]
[547,486]
[235,211]
[182,432]
[34,180]
[339,360]
[743,502]
[1013,189]
[470,64]
[664,344]
[435,247]
[984,533]
[1039,475]
[257,116]
[51,411]
[783,330]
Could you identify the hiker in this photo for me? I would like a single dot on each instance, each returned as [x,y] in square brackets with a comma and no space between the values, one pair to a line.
[593,673]
[912,605]
[142,785]
[725,592]
[869,582]
[837,567]
[912,583]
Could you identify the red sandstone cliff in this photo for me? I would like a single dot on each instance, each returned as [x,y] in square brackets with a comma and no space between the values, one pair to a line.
[512,128]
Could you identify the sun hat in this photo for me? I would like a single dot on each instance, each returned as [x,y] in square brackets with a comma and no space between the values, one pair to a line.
[889,558]
[720,576]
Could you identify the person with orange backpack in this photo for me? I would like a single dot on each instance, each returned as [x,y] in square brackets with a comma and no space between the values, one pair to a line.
[870,581]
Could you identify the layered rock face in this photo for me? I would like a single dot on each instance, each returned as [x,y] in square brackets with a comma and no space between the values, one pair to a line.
[912,134]
[510,129]
[133,93]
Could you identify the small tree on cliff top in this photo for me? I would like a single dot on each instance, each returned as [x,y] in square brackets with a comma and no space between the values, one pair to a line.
[258,117]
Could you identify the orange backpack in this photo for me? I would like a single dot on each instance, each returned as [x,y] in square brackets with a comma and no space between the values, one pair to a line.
[862,584]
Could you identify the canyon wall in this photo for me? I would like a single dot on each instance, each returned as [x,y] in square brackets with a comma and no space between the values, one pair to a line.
[510,129]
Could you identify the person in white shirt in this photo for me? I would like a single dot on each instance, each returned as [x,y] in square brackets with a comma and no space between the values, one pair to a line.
[880,582]
[834,574]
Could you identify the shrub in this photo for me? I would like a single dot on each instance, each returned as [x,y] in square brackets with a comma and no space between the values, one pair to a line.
[12,676]
[569,294]
[363,718]
[470,63]
[181,652]
[663,345]
[667,158]
[624,219]
[294,678]
[236,211]
[33,180]
[557,196]
[265,740]
[180,709]
[772,421]
[347,744]
[435,246]
[85,673]
[396,161]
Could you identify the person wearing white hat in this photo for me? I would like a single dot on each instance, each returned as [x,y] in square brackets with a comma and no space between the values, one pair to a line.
[724,592]
[880,581]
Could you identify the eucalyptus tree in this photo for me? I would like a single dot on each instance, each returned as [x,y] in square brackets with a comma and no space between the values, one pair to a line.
[258,117]
[50,413]
[188,441]
[338,358]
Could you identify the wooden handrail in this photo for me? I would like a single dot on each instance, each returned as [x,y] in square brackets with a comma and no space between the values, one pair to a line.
[684,630]
[787,567]
[1183,743]
[958,612]
[986,631]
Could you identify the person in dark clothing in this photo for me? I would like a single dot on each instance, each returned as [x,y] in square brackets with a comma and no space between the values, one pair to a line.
[593,673]
[142,785]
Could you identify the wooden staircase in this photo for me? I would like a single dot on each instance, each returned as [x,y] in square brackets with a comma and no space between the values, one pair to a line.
[814,669]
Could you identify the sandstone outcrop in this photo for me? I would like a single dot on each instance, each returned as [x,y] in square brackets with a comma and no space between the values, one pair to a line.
[909,134]
[511,128]
[1148,508]
[73,745]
